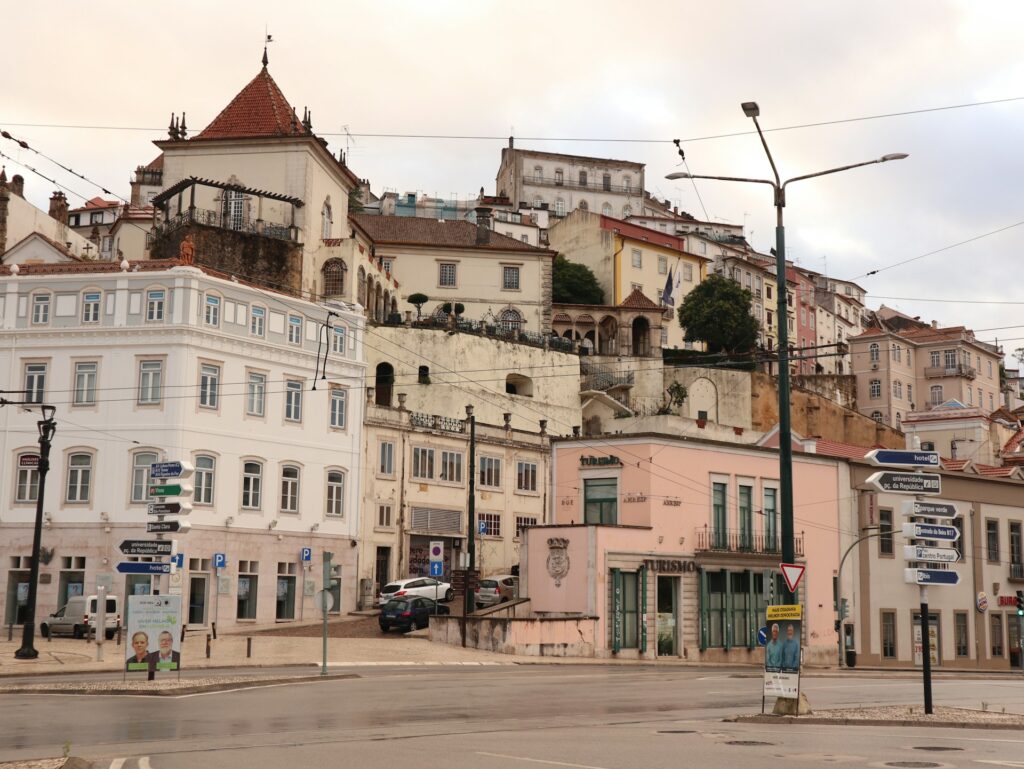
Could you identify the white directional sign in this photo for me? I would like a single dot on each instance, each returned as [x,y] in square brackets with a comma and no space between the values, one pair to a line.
[931,554]
[931,508]
[906,483]
[931,531]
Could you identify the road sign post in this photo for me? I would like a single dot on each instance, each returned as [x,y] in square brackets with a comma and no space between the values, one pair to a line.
[327,586]
[165,505]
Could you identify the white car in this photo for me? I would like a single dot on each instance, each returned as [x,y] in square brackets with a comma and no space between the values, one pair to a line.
[424,587]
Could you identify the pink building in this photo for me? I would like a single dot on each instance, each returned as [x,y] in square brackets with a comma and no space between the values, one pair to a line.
[804,312]
[662,546]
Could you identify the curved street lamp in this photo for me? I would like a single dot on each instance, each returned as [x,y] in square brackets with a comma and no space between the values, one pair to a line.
[751,110]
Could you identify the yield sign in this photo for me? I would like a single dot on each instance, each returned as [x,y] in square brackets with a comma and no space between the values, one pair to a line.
[792,573]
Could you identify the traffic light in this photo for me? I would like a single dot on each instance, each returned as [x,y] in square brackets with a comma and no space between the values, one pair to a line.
[1020,603]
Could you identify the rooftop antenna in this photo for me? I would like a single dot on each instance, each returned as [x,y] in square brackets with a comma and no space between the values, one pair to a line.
[348,139]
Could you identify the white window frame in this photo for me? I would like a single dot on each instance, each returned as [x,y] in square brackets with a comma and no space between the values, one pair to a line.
[40,309]
[26,489]
[78,488]
[256,394]
[293,400]
[252,485]
[524,465]
[510,278]
[155,305]
[258,321]
[35,381]
[662,264]
[451,467]
[211,311]
[335,496]
[386,458]
[339,340]
[139,493]
[295,329]
[85,383]
[448,274]
[291,476]
[339,408]
[91,306]
[209,386]
[491,523]
[205,480]
[151,376]
[422,463]
[385,516]
[490,470]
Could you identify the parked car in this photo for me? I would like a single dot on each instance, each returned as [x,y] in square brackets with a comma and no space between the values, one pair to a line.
[497,589]
[78,617]
[421,586]
[408,612]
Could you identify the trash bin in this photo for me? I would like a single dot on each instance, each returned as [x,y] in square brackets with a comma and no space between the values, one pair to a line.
[851,658]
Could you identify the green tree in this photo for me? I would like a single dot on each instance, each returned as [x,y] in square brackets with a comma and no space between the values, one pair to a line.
[717,312]
[418,300]
[355,201]
[573,283]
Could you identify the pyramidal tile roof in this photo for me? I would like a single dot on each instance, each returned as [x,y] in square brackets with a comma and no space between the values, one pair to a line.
[638,301]
[259,110]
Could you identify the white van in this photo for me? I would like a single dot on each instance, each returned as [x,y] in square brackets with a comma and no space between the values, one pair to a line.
[78,617]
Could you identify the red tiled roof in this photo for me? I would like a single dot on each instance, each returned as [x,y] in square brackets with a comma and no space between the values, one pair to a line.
[995,471]
[68,268]
[1014,442]
[98,203]
[638,301]
[954,464]
[417,231]
[259,109]
[157,164]
[830,448]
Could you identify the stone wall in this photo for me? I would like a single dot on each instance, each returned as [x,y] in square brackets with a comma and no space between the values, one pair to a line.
[533,636]
[269,262]
[813,415]
[841,388]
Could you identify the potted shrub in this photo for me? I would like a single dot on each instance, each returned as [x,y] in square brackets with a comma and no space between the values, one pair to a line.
[418,300]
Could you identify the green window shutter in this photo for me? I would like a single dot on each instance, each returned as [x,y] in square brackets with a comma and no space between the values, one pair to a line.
[751,612]
[643,609]
[704,615]
[617,614]
[727,638]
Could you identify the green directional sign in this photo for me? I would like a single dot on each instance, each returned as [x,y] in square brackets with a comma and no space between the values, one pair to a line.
[169,490]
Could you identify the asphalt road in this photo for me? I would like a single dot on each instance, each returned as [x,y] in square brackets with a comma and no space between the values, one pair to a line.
[587,717]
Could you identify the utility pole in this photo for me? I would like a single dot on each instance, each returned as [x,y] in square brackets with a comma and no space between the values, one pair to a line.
[47,428]
[470,606]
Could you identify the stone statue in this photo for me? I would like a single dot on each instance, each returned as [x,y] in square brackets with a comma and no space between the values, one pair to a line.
[187,250]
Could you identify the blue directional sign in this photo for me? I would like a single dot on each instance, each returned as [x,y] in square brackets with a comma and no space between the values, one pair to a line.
[482,527]
[931,577]
[436,569]
[220,560]
[898,458]
[307,554]
[931,531]
[170,470]
[140,567]
[762,636]
[179,560]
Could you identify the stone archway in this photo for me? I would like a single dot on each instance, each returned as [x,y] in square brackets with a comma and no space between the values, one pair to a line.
[702,400]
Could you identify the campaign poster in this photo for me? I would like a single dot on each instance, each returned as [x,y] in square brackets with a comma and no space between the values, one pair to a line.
[782,652]
[154,633]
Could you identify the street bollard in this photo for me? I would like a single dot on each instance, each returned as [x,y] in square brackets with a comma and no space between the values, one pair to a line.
[248,647]
[207,646]
[118,632]
[10,632]
[214,626]
[183,628]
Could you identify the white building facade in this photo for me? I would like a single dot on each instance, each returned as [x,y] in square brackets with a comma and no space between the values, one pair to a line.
[156,362]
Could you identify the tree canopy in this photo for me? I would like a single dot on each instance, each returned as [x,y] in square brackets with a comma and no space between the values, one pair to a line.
[717,312]
[574,283]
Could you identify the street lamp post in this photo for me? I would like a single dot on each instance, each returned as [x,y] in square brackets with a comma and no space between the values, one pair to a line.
[751,110]
[47,427]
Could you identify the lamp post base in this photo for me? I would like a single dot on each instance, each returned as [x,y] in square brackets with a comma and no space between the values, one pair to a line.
[26,653]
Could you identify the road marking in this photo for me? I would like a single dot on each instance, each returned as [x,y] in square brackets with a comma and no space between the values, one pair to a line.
[999,763]
[144,762]
[117,763]
[539,760]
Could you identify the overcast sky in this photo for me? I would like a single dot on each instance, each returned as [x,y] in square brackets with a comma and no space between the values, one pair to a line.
[591,70]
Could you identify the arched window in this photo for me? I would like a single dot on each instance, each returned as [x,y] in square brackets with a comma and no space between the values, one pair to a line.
[361,287]
[538,174]
[384,383]
[326,220]
[335,493]
[559,177]
[559,207]
[141,461]
[936,395]
[79,478]
[517,384]
[252,485]
[28,482]
[875,388]
[334,272]
[582,205]
[606,209]
[583,178]
[510,320]
[289,489]
[627,211]
[205,466]
[877,416]
[873,352]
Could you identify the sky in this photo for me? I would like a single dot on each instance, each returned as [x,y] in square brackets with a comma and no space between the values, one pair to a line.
[558,75]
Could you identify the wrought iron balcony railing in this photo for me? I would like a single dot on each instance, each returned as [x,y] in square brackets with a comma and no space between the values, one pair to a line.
[710,539]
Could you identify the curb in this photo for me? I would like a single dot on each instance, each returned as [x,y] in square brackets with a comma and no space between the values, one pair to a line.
[198,689]
[767,719]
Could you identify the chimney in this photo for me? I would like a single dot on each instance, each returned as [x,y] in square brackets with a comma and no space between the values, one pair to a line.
[483,225]
[59,207]
[511,143]
[935,324]
[18,185]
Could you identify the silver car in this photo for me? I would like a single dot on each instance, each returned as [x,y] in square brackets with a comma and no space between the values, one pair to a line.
[497,589]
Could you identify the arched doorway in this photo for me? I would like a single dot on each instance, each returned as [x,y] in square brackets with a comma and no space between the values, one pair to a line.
[384,384]
[641,336]
[608,330]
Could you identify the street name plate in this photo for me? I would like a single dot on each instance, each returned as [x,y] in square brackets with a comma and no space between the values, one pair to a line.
[931,531]
[906,483]
[932,554]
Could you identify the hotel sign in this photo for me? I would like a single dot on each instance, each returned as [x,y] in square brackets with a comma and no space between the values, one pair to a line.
[600,461]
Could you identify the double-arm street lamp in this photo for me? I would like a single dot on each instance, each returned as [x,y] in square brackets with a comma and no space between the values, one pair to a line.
[751,110]
[47,427]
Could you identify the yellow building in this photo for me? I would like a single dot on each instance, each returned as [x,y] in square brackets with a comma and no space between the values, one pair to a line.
[626,257]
